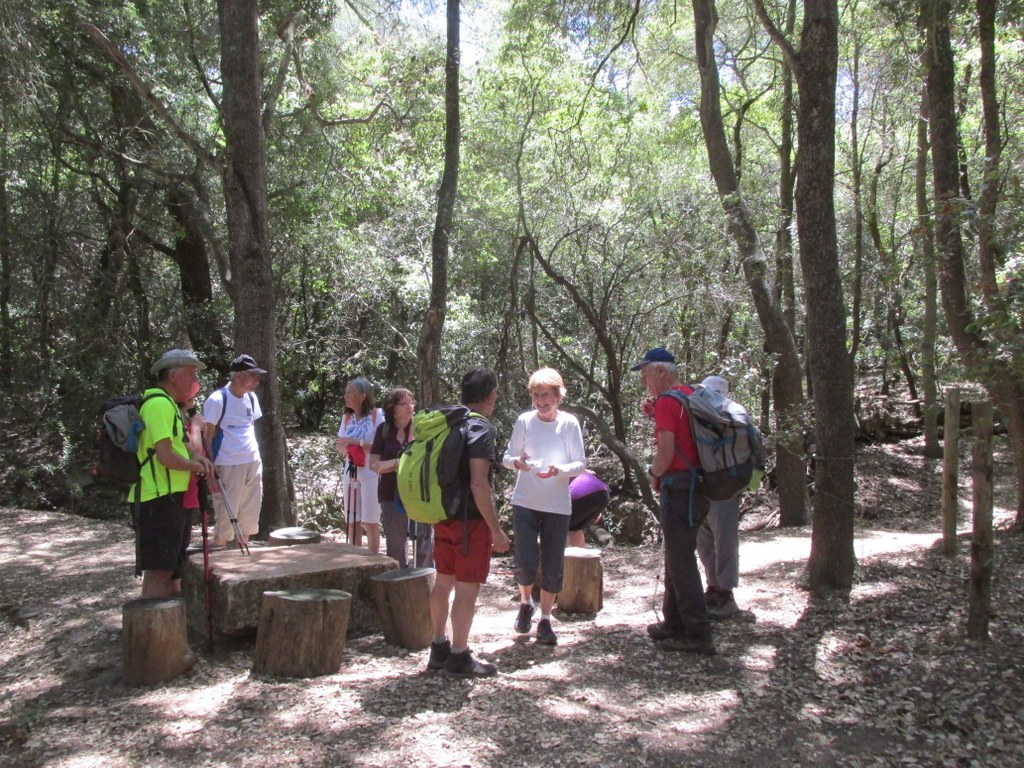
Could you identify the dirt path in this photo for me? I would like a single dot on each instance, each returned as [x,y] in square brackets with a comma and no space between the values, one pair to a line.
[885,680]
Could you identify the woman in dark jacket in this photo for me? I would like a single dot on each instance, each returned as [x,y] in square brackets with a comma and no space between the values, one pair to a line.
[392,435]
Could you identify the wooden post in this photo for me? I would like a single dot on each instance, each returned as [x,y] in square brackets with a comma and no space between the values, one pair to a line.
[286,537]
[950,472]
[403,605]
[154,638]
[583,585]
[981,541]
[301,632]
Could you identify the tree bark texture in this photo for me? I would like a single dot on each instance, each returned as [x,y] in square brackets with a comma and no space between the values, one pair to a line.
[433,325]
[154,640]
[926,251]
[6,252]
[982,550]
[583,588]
[785,289]
[832,561]
[779,340]
[981,354]
[245,193]
[301,632]
[191,254]
[951,473]
[402,598]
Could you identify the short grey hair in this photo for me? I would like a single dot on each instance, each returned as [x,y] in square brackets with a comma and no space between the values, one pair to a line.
[669,368]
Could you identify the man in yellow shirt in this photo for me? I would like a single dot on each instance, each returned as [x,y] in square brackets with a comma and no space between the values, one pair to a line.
[162,527]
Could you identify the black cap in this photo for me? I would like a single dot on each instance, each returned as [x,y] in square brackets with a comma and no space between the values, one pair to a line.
[656,355]
[245,363]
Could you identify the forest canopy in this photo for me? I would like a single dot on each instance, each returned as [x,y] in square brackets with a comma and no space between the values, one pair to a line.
[588,224]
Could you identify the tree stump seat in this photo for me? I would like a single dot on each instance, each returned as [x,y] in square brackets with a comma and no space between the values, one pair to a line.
[583,582]
[301,632]
[403,606]
[287,537]
[154,639]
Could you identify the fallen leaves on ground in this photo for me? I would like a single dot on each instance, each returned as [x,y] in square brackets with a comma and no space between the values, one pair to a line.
[886,678]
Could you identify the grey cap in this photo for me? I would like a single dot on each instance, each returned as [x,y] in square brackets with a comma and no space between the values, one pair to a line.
[176,358]
[717,384]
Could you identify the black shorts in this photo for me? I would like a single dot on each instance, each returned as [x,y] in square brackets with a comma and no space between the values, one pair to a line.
[162,534]
[586,508]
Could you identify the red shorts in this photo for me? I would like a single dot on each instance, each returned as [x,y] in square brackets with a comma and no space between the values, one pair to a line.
[462,548]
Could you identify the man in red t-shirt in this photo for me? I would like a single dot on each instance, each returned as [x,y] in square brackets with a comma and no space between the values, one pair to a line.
[675,476]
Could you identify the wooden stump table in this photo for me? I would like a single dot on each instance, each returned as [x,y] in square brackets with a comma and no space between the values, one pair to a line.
[403,606]
[301,632]
[583,584]
[237,583]
[154,638]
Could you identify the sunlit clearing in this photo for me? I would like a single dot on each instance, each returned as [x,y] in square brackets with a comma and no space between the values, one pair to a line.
[759,658]
[686,712]
[551,670]
[563,709]
[206,703]
[832,650]
[90,760]
[811,712]
[873,591]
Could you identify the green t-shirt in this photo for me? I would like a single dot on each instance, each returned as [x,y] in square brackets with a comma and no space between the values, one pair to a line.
[162,418]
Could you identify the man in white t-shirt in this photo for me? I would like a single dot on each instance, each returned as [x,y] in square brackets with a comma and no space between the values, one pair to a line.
[230,414]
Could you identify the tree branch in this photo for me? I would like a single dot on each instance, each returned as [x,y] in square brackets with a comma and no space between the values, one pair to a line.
[788,52]
[147,94]
[285,31]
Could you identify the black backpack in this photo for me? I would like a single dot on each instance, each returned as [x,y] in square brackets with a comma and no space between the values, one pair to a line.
[117,441]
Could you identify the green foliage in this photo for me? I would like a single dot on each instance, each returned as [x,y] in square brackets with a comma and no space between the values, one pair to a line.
[580,127]
[316,474]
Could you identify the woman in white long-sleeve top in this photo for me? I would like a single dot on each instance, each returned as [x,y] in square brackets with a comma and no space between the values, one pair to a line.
[547,451]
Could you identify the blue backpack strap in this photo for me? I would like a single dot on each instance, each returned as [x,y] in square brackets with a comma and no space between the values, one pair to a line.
[218,433]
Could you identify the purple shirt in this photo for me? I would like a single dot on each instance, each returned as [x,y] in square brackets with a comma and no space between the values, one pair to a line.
[584,485]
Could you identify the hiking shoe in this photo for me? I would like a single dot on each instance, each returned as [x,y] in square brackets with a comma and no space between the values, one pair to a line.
[525,618]
[659,631]
[724,609]
[439,653]
[545,634]
[704,646]
[712,597]
[464,665]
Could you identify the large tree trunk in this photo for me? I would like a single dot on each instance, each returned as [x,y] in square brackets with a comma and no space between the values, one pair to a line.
[857,180]
[6,260]
[190,252]
[832,559]
[245,193]
[785,289]
[926,245]
[981,354]
[790,470]
[433,325]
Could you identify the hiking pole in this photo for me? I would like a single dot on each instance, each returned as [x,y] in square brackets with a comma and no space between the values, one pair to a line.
[204,511]
[242,544]
[351,500]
